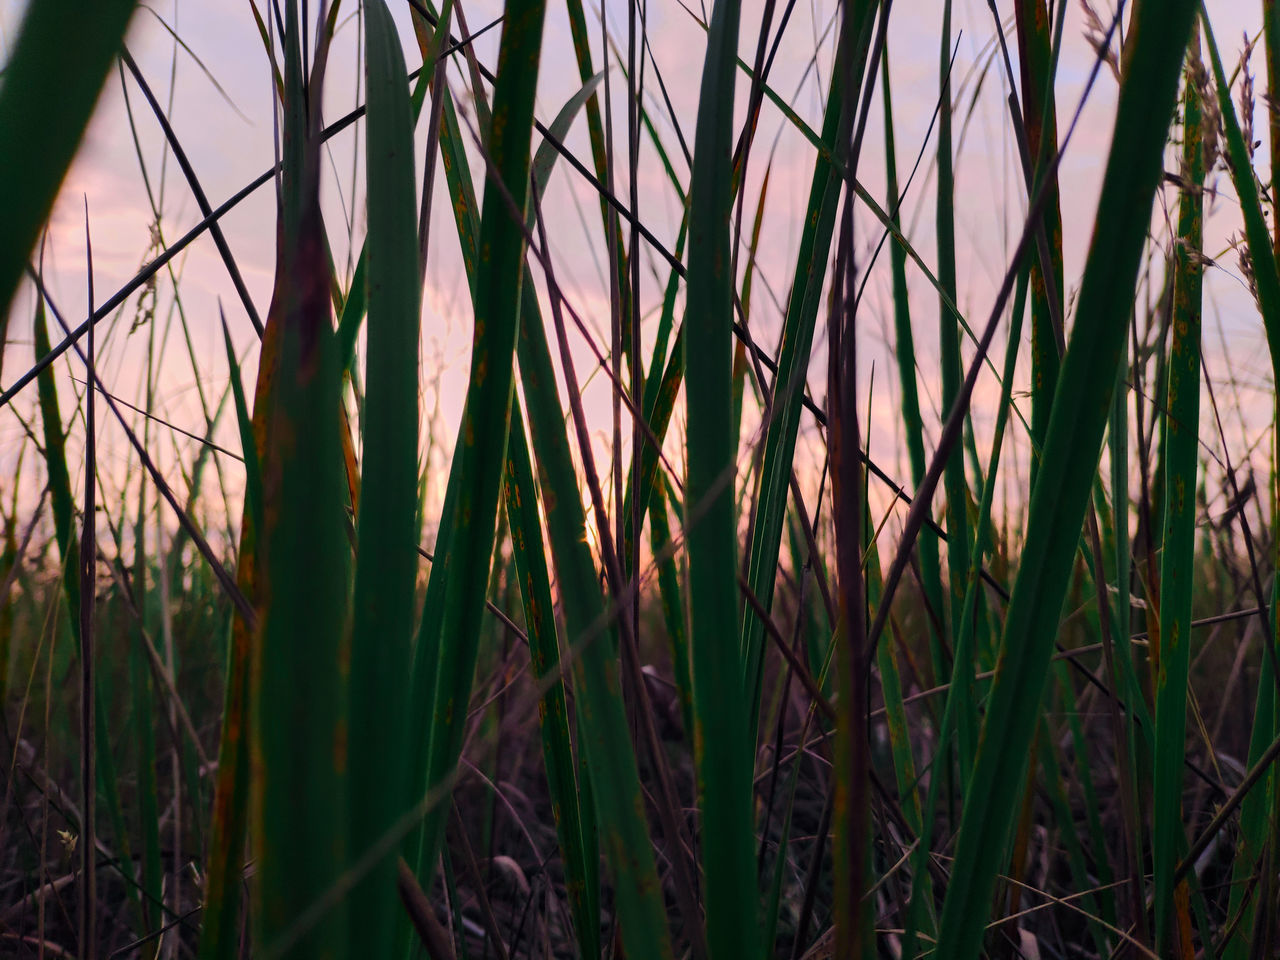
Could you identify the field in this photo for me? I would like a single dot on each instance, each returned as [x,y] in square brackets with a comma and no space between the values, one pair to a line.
[639,481]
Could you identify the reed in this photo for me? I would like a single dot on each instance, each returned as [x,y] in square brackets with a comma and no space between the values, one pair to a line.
[798,691]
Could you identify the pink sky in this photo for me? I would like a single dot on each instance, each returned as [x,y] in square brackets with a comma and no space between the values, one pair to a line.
[230,141]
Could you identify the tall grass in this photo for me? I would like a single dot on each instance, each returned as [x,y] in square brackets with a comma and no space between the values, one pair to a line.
[995,695]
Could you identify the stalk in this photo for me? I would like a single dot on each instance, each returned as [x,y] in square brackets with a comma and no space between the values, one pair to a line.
[1181,460]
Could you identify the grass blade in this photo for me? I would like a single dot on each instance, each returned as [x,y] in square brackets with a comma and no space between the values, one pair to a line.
[1253,847]
[793,361]
[675,613]
[482,439]
[722,736]
[1181,460]
[571,818]
[616,799]
[298,716]
[219,936]
[386,535]
[1039,117]
[62,504]
[949,357]
[51,83]
[1058,501]
[88,920]
[602,720]
[913,423]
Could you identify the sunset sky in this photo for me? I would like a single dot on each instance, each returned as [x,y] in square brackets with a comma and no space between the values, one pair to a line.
[223,118]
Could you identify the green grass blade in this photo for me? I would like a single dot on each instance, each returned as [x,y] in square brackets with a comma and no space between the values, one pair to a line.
[220,923]
[871,205]
[949,358]
[674,611]
[51,83]
[482,439]
[55,459]
[544,160]
[661,389]
[354,306]
[1039,117]
[144,723]
[966,646]
[602,721]
[602,724]
[913,423]
[722,735]
[960,706]
[298,718]
[62,504]
[1178,557]
[608,778]
[581,874]
[244,424]
[353,310]
[1068,464]
[1253,829]
[386,534]
[1266,271]
[600,159]
[427,648]
[793,362]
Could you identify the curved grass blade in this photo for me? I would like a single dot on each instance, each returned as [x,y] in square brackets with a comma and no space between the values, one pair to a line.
[608,778]
[51,83]
[482,439]
[1253,842]
[602,722]
[1068,465]
[618,801]
[793,362]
